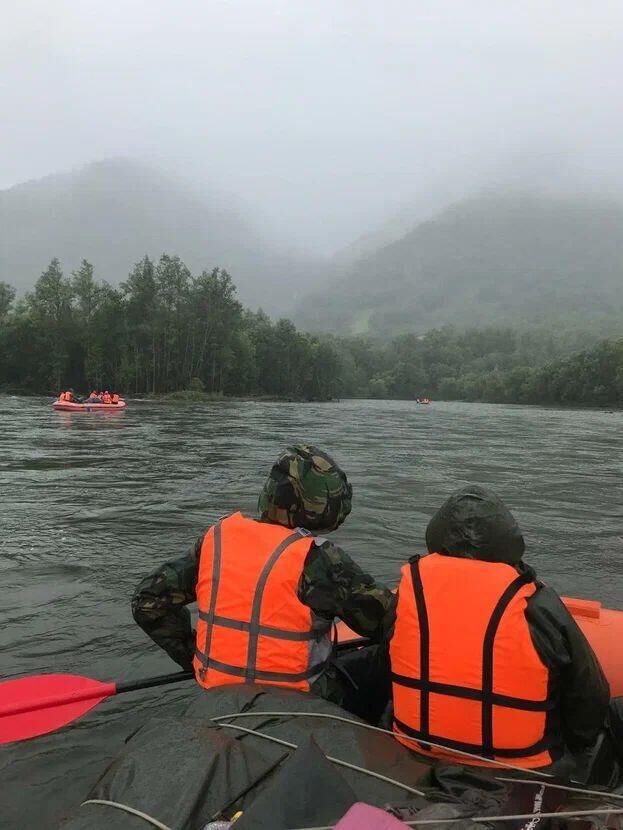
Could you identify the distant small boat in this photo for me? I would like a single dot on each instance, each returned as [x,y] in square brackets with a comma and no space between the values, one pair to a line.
[424,401]
[70,406]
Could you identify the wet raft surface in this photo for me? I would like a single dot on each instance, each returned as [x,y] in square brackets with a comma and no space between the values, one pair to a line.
[185,771]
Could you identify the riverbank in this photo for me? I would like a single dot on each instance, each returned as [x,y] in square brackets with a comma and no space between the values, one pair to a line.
[183,396]
[193,395]
[180,396]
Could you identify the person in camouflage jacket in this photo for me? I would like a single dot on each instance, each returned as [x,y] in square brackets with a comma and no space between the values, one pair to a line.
[306,489]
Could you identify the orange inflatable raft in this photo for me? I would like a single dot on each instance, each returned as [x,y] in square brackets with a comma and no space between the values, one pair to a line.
[602,627]
[69,406]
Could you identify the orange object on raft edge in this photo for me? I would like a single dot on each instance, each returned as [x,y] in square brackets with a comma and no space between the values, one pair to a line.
[65,406]
[602,627]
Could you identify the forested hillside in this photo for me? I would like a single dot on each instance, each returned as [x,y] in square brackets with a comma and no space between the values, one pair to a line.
[509,259]
[165,329]
[499,365]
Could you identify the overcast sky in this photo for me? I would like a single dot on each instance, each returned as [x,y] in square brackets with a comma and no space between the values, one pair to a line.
[324,116]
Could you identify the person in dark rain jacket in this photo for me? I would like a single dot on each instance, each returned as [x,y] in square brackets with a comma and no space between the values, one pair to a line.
[486,659]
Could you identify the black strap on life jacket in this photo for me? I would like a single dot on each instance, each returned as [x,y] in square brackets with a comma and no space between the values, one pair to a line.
[422,613]
[250,672]
[487,660]
[485,695]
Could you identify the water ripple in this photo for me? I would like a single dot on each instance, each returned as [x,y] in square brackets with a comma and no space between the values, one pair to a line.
[89,504]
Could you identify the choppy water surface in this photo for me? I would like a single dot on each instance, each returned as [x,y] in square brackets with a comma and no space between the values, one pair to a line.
[89,503]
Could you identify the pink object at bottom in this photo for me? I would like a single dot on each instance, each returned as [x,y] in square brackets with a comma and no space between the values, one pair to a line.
[364,817]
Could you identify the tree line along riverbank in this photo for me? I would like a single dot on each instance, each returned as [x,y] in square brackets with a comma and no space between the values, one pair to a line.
[167,331]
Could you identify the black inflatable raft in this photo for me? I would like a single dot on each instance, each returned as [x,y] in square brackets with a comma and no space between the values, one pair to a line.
[283,767]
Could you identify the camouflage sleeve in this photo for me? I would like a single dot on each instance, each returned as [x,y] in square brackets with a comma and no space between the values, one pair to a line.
[159,601]
[332,585]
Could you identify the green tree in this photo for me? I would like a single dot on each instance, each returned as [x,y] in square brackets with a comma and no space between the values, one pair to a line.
[217,316]
[86,292]
[140,294]
[7,295]
[50,307]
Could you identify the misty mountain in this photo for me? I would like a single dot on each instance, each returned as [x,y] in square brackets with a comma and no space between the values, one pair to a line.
[517,258]
[114,212]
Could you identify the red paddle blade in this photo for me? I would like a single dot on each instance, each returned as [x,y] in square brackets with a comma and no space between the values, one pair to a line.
[31,706]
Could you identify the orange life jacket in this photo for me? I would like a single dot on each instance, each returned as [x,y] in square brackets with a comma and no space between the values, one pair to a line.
[106,398]
[115,398]
[252,627]
[465,672]
[62,396]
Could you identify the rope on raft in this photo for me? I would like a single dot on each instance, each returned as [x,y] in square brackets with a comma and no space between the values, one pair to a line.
[524,771]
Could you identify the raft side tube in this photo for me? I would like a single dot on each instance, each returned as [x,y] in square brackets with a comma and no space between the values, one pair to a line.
[603,628]
[68,406]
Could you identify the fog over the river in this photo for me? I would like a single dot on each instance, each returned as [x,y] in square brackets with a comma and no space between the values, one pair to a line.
[324,118]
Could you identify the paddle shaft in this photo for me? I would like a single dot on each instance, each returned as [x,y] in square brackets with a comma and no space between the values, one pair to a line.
[103,691]
[160,680]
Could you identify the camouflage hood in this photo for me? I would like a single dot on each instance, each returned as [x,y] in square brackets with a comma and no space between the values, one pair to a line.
[475,524]
[306,488]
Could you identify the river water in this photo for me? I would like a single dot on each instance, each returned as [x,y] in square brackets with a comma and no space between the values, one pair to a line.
[91,502]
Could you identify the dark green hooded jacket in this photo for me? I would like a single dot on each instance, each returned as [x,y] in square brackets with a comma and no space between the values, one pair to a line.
[474,523]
